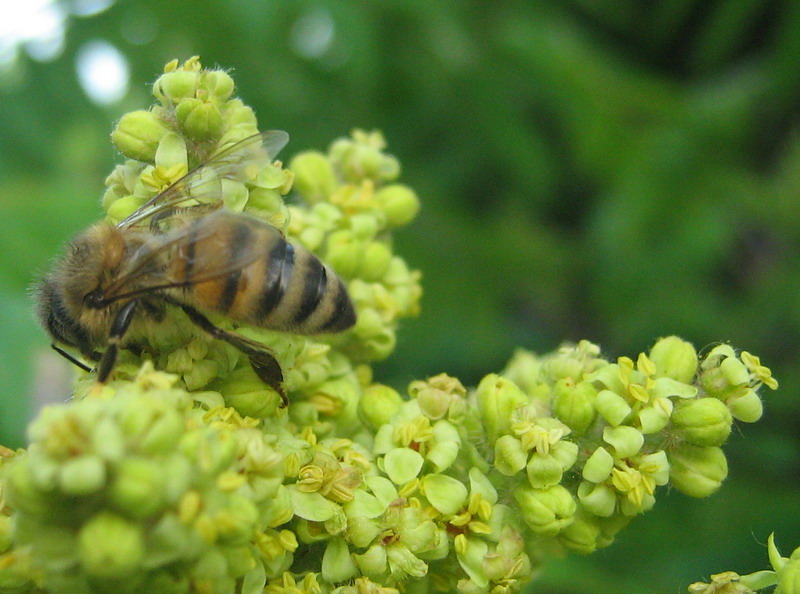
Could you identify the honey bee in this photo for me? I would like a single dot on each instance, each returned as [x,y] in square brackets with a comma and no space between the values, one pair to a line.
[184,249]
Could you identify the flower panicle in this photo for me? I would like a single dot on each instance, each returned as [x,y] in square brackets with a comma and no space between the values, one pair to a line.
[191,477]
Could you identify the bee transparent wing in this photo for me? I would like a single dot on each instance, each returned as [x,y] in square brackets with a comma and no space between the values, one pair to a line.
[175,259]
[201,188]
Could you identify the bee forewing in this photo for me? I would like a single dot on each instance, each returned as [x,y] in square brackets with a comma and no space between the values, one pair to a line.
[202,185]
[193,252]
[273,142]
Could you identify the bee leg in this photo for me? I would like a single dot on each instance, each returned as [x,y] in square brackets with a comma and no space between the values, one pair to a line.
[119,327]
[269,371]
[263,362]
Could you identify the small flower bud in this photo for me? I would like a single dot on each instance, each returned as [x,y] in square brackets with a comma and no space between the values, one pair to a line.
[545,511]
[544,470]
[138,487]
[239,118]
[361,531]
[509,455]
[235,523]
[361,157]
[314,178]
[201,373]
[674,358]
[137,135]
[497,399]
[110,547]
[566,452]
[312,237]
[378,404]
[564,367]
[218,84]
[697,471]
[375,262]
[82,475]
[344,253]
[244,391]
[198,119]
[210,451]
[364,226]
[747,408]
[153,426]
[702,421]
[22,489]
[123,207]
[399,202]
[524,369]
[598,499]
[171,87]
[574,404]
[268,202]
[734,371]
[582,535]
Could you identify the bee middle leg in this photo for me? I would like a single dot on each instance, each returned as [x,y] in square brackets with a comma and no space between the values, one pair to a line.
[262,360]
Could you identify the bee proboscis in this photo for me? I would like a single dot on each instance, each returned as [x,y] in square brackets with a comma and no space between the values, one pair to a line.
[183,248]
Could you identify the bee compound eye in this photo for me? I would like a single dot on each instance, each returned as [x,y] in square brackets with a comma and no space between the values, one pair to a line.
[93,300]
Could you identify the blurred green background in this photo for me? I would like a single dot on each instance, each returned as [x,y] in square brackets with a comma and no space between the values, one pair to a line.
[611,170]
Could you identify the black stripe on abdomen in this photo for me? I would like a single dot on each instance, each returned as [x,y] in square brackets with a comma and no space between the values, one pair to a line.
[239,240]
[280,265]
[343,315]
[314,283]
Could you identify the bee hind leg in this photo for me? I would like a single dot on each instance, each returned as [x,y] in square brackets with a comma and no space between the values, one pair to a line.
[269,371]
[262,360]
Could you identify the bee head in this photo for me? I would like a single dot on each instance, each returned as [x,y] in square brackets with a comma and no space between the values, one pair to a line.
[69,298]
[56,319]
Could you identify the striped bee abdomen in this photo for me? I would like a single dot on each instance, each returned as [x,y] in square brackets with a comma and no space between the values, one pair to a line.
[265,280]
[300,294]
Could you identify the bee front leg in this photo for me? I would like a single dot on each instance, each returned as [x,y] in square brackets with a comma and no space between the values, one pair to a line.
[262,360]
[119,327]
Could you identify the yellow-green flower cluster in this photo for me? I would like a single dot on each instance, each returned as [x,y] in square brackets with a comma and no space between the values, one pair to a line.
[596,438]
[192,479]
[144,485]
[353,206]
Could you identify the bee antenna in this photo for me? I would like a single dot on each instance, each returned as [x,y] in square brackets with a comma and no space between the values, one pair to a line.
[70,358]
